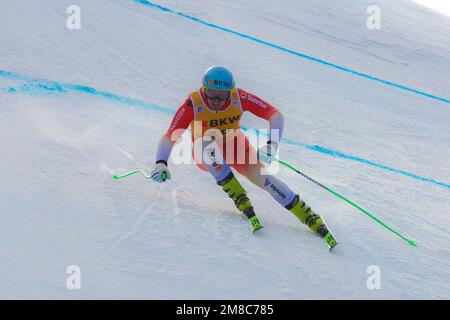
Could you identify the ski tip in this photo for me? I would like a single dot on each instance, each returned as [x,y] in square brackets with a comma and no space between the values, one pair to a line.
[256,229]
[115,177]
[330,240]
[255,224]
[330,248]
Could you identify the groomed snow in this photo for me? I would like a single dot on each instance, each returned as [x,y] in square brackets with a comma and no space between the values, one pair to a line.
[60,143]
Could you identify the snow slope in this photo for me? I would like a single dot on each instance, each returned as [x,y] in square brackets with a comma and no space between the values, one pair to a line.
[77,106]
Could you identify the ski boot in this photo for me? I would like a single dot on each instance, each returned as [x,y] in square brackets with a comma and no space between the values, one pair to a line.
[237,193]
[312,220]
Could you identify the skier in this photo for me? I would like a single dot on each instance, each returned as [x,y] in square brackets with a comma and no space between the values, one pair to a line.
[219,105]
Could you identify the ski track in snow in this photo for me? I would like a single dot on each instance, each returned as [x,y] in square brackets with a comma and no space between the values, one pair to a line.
[138,222]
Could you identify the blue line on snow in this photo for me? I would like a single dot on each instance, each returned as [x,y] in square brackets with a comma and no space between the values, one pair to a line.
[37,86]
[296,53]
[40,86]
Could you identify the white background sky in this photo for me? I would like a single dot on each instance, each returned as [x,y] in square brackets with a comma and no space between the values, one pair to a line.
[439,5]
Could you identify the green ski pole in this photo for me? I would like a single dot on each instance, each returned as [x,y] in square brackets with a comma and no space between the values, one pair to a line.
[116,177]
[411,243]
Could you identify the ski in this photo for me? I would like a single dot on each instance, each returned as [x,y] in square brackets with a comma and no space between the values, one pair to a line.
[326,234]
[330,240]
[255,224]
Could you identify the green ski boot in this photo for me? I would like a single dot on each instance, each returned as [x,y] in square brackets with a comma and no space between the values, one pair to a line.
[238,194]
[312,220]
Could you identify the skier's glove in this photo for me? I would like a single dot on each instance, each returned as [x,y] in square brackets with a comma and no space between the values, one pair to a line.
[267,152]
[160,172]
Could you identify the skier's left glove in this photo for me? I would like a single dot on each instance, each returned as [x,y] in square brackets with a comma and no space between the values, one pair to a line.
[267,152]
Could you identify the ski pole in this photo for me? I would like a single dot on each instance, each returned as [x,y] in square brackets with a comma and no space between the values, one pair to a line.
[116,177]
[411,243]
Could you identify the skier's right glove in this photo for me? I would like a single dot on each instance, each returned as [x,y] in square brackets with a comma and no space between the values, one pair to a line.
[160,172]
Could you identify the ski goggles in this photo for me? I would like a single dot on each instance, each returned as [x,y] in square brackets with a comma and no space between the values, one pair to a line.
[216,94]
